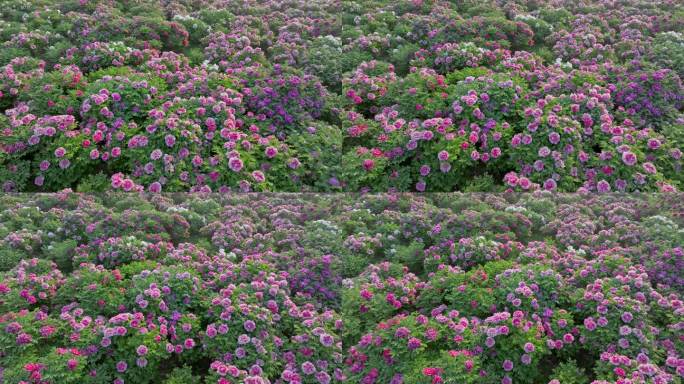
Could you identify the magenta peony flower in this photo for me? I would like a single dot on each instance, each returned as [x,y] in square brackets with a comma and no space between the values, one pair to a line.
[589,324]
[649,168]
[127,185]
[603,186]
[258,176]
[326,340]
[235,164]
[121,366]
[249,325]
[155,187]
[414,343]
[524,183]
[271,152]
[308,368]
[141,350]
[629,158]
[156,154]
[189,343]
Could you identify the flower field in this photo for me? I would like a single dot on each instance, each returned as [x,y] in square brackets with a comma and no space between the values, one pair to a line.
[546,131]
[328,95]
[306,288]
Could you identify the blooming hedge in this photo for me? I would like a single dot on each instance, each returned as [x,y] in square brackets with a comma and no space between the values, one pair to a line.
[369,95]
[388,288]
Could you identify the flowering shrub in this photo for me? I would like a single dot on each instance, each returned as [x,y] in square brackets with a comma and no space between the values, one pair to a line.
[30,284]
[449,57]
[390,352]
[116,251]
[468,252]
[232,51]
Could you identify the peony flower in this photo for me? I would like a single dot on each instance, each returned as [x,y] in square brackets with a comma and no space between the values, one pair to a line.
[414,343]
[603,186]
[524,183]
[72,364]
[629,158]
[308,368]
[258,176]
[141,362]
[121,366]
[649,168]
[189,343]
[235,164]
[249,325]
[326,340]
[141,350]
[271,152]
